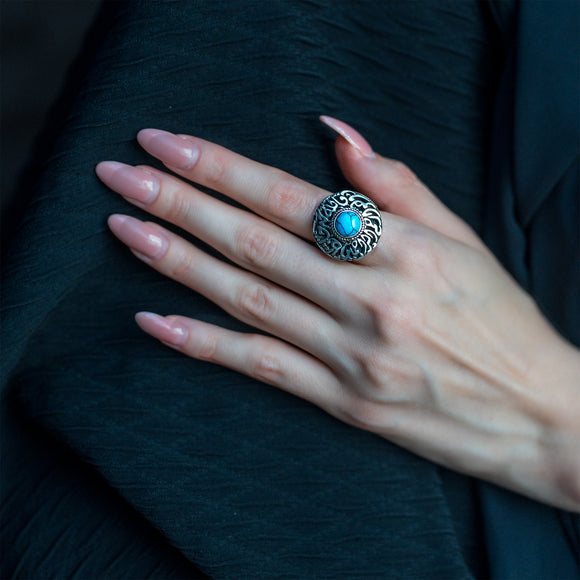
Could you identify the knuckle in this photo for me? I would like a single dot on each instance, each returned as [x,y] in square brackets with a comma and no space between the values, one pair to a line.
[215,168]
[263,364]
[387,377]
[389,316]
[368,415]
[179,266]
[255,302]
[376,372]
[399,318]
[423,265]
[178,209]
[286,197]
[257,246]
[417,251]
[415,239]
[207,349]
[404,175]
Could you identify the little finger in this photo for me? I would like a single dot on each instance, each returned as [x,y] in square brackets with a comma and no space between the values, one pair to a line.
[264,358]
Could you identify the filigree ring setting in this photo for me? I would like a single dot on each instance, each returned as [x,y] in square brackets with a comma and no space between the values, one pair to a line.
[347,225]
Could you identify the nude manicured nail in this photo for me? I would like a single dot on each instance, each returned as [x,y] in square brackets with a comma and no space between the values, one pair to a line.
[145,239]
[171,333]
[179,152]
[350,134]
[131,182]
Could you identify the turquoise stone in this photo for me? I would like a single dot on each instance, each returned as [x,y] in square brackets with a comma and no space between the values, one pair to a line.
[347,224]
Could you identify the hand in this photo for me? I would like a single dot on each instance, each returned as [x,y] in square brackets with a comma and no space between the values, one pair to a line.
[426,341]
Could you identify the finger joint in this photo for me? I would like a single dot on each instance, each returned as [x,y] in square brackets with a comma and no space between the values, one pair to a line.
[215,169]
[257,247]
[255,303]
[264,365]
[207,349]
[286,197]
[178,210]
[180,265]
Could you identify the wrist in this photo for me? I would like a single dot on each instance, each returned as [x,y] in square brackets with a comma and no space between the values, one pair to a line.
[561,424]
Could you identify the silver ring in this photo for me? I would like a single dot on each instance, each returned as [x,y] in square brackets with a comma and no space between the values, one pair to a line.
[347,225]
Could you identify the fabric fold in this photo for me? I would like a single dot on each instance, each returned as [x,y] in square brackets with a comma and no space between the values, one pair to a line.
[532,226]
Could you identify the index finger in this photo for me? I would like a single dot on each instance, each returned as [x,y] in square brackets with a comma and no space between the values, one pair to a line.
[269,192]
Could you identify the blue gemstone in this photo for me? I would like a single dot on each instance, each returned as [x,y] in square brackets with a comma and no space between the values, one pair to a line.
[347,224]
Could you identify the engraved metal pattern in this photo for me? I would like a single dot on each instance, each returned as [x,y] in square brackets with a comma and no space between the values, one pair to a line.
[342,247]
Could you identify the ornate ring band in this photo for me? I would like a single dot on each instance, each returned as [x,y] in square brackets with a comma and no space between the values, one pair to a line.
[347,225]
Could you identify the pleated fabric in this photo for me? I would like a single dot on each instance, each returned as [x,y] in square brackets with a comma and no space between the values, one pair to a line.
[129,460]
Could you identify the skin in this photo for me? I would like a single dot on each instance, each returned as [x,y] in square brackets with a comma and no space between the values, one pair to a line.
[436,348]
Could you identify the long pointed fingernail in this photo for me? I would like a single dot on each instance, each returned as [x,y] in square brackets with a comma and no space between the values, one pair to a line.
[179,152]
[159,327]
[129,181]
[350,134]
[145,239]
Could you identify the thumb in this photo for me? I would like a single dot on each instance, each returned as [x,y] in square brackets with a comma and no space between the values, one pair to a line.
[393,186]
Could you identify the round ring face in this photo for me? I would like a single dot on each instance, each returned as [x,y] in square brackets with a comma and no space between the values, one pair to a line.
[347,225]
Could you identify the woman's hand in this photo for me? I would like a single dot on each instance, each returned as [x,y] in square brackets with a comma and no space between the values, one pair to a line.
[426,341]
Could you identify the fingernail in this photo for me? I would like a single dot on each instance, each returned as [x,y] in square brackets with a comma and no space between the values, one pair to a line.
[350,134]
[179,152]
[159,327]
[129,181]
[145,239]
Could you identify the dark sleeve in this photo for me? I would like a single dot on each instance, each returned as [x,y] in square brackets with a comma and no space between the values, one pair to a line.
[531,224]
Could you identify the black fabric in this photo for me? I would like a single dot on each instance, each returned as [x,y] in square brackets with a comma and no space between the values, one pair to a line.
[60,519]
[121,447]
[532,225]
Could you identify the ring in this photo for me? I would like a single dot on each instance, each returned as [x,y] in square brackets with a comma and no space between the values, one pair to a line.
[347,225]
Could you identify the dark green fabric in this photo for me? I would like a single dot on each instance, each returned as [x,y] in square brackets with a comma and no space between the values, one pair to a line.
[133,461]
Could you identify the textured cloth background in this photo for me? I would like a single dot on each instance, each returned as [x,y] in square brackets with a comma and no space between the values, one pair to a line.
[125,458]
[39,39]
